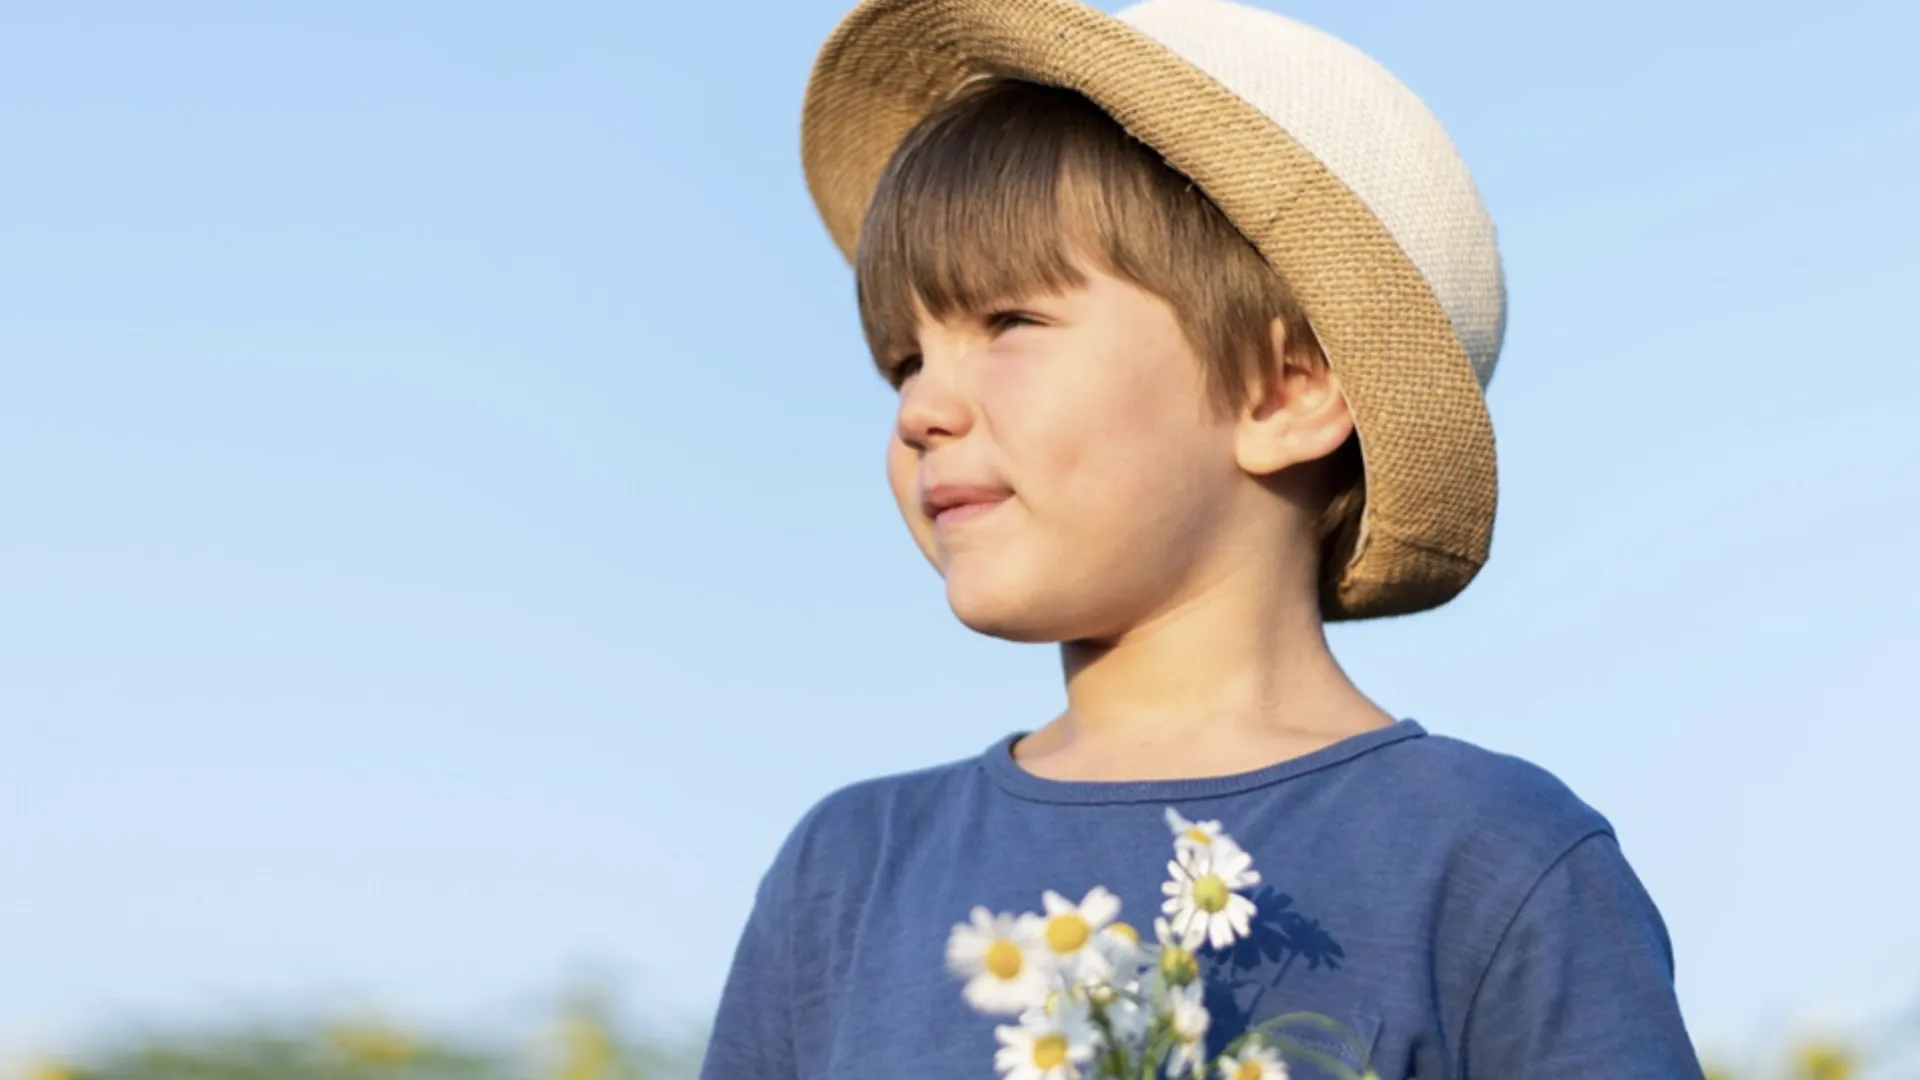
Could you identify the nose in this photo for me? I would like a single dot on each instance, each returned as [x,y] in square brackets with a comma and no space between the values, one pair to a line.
[933,408]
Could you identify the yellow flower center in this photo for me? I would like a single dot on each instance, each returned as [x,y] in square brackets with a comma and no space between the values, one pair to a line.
[1249,1070]
[1049,1052]
[1004,960]
[1121,929]
[1178,966]
[1199,836]
[1066,933]
[1210,894]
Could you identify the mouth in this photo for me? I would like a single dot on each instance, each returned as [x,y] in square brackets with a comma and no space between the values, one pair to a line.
[947,505]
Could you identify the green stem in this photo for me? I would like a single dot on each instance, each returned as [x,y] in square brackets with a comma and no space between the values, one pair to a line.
[1117,1063]
[1159,1045]
[1294,1048]
[1325,1023]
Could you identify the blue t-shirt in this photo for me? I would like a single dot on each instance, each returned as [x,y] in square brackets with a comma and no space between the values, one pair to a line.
[1462,911]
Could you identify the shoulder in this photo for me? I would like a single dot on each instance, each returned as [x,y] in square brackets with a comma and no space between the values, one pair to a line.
[895,799]
[1494,836]
[1492,805]
[847,834]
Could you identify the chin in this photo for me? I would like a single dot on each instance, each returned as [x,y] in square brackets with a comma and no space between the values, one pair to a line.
[1014,609]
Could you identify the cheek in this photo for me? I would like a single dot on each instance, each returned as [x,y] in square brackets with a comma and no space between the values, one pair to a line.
[1113,436]
[902,464]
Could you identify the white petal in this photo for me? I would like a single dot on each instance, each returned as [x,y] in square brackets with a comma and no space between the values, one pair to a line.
[1195,934]
[1029,930]
[1055,903]
[1181,914]
[1230,861]
[1188,921]
[1241,915]
[1100,907]
[967,950]
[1220,931]
[1002,997]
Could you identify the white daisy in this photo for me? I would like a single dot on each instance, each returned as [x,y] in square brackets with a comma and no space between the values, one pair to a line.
[1193,834]
[1047,1044]
[1174,963]
[1204,893]
[1073,934]
[1258,1063]
[1188,1020]
[1004,959]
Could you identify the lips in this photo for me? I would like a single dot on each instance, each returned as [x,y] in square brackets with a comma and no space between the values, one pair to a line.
[949,504]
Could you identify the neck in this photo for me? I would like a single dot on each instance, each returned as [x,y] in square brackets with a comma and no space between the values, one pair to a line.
[1232,679]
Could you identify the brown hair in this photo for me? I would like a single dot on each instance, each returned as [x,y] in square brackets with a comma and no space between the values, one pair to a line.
[990,196]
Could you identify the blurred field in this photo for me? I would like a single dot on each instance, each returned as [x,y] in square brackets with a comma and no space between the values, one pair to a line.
[586,1040]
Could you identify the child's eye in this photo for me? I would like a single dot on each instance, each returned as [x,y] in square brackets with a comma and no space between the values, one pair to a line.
[903,369]
[1002,321]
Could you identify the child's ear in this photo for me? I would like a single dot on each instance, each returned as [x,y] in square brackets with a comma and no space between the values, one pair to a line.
[1295,415]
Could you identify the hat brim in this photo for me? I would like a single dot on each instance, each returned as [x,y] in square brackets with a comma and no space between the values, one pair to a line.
[1425,435]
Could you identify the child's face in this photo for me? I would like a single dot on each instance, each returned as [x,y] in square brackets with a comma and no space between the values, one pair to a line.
[1059,461]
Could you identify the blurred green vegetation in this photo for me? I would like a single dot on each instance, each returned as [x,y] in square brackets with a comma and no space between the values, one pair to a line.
[583,1046]
[586,1041]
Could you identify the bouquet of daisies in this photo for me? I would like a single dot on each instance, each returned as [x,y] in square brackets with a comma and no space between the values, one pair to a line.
[1096,1002]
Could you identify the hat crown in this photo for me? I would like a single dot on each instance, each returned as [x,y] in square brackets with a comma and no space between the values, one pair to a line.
[1370,131]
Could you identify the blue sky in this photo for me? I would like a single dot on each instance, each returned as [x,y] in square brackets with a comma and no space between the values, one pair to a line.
[446,542]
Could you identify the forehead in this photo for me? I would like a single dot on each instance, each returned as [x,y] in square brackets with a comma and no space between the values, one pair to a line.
[1005,195]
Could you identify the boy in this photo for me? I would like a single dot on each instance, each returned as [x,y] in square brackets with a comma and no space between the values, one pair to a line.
[1189,312]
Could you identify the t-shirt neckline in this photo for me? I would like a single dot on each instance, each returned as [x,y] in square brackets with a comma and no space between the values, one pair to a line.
[1007,773]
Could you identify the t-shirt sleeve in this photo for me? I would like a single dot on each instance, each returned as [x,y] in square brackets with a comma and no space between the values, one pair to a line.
[1581,984]
[752,1034]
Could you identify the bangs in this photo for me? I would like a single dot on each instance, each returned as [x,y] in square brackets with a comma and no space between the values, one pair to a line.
[978,207]
[1003,192]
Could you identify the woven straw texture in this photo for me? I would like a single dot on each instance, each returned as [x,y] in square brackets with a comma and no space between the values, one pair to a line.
[1415,391]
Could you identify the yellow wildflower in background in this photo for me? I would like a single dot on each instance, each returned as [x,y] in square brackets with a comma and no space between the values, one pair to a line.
[1824,1061]
[365,1043]
[587,1050]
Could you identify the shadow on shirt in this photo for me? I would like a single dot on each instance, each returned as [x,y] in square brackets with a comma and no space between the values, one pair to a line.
[1240,981]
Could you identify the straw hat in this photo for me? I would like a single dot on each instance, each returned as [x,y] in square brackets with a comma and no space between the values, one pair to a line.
[1332,168]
